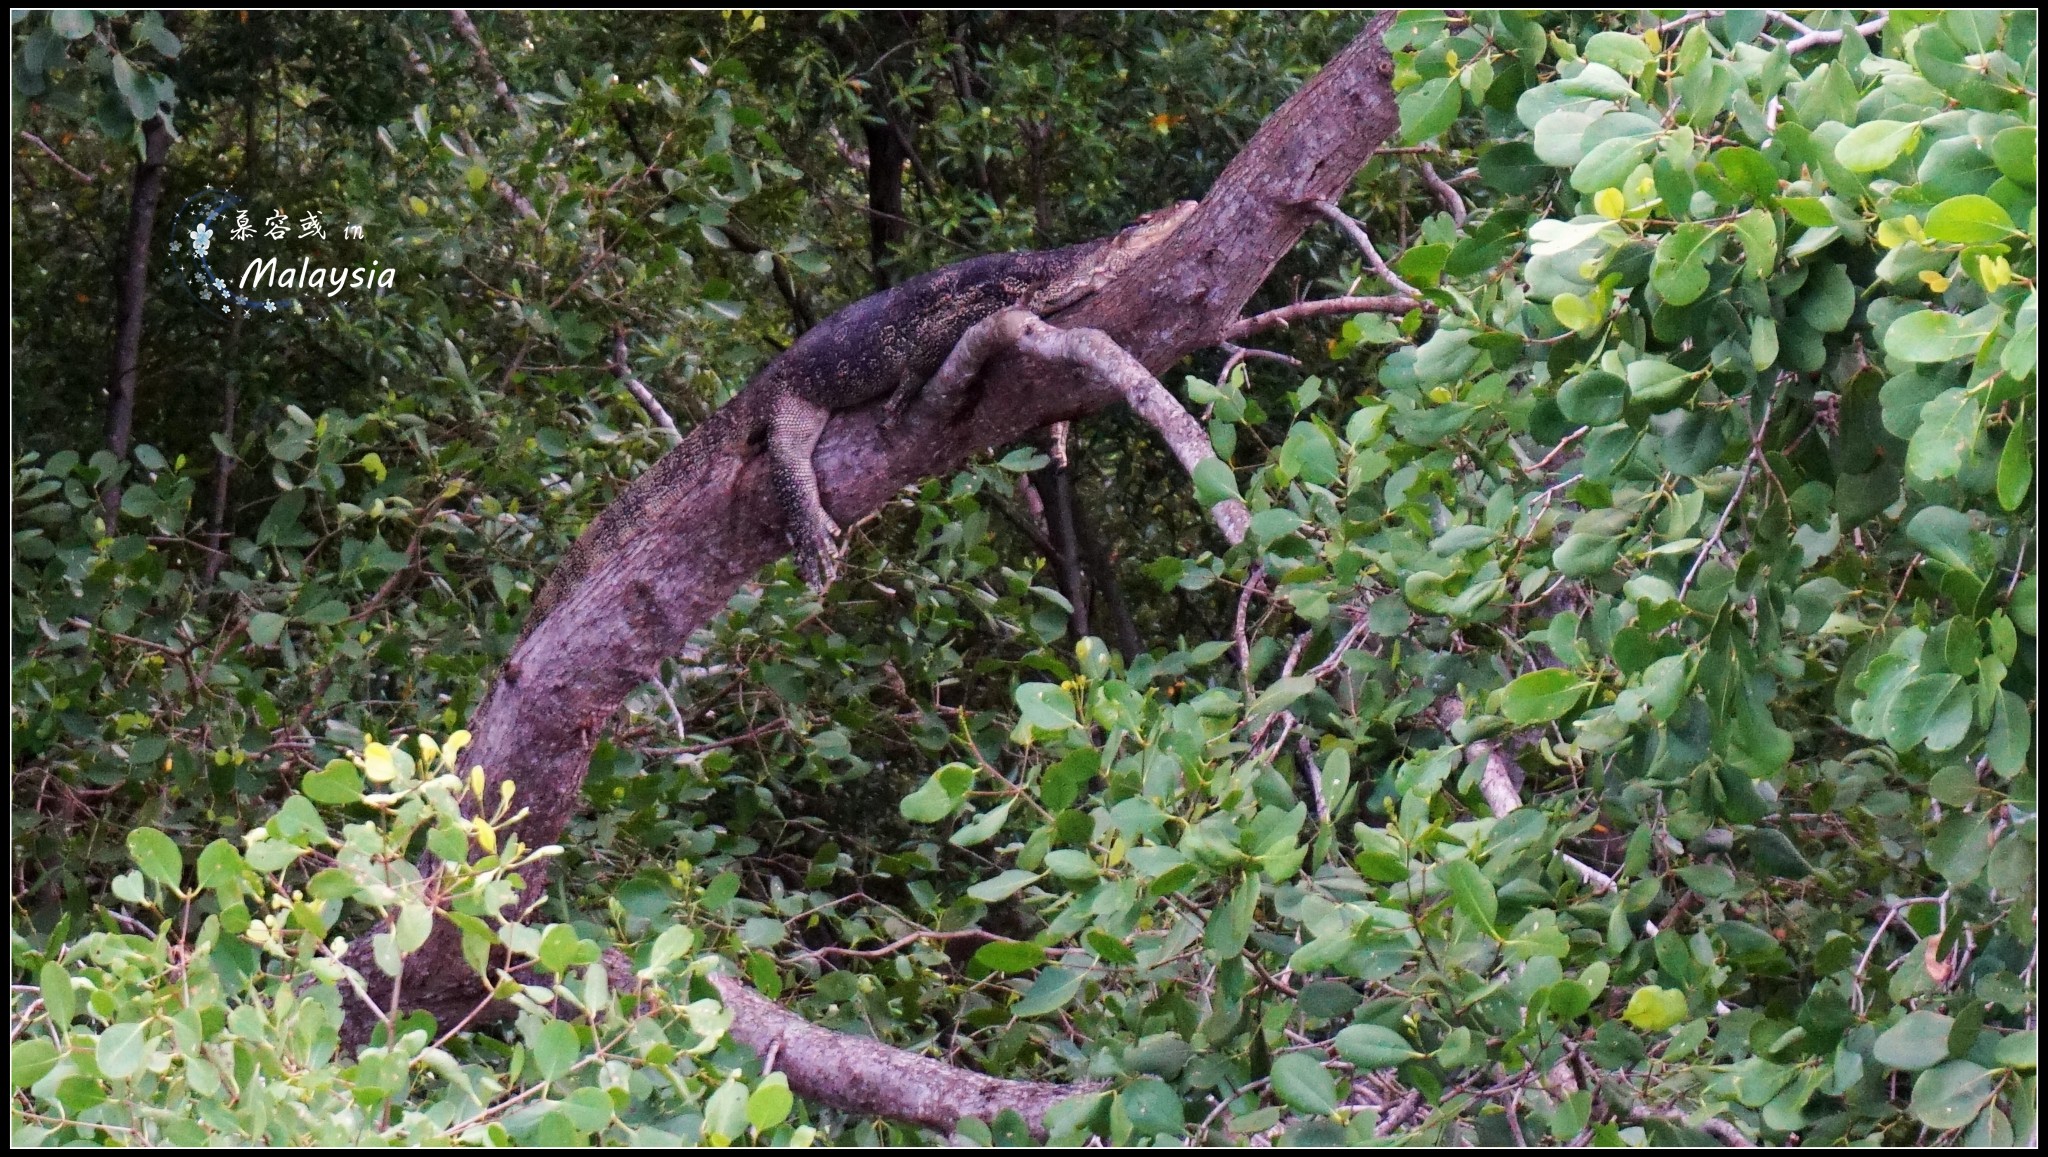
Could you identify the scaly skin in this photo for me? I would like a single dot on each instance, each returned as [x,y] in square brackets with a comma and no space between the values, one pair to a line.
[886,345]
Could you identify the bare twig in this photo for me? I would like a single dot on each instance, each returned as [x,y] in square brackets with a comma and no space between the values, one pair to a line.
[1749,465]
[67,166]
[1344,221]
[1238,355]
[1326,307]
[1453,203]
[1808,38]
[640,392]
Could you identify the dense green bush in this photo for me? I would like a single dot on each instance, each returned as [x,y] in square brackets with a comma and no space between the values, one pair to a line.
[1615,727]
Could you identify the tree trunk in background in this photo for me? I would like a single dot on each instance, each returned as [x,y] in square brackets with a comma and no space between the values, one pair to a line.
[131,287]
[885,194]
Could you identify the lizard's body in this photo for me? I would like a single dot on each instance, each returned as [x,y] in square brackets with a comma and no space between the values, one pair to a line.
[885,345]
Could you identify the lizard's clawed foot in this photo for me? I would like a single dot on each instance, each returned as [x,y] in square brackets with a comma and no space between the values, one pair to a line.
[817,556]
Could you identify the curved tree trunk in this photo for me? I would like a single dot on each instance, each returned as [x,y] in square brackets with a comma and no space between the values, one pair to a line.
[609,636]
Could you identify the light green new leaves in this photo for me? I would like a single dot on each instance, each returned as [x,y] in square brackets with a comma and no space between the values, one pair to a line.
[1970,219]
[1541,696]
[1931,335]
[1654,1009]
[156,855]
[1871,146]
[941,793]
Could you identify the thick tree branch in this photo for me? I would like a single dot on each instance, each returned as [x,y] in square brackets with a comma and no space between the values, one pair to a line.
[610,633]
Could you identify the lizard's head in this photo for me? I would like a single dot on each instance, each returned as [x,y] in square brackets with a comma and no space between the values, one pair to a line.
[1156,226]
[1105,261]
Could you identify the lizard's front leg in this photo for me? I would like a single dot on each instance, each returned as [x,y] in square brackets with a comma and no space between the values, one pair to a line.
[793,428]
[984,340]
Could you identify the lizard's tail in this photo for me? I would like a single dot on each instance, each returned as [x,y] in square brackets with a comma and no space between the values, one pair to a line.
[641,503]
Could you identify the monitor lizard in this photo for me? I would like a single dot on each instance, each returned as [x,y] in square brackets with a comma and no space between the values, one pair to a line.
[885,345]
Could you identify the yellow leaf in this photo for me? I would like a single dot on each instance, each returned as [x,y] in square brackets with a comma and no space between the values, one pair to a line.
[1609,203]
[1891,234]
[377,763]
[1934,281]
[486,838]
[1994,272]
[456,743]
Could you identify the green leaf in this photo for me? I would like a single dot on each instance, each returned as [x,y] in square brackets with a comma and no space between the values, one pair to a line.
[1428,109]
[2016,465]
[265,627]
[1931,335]
[1970,219]
[336,784]
[1214,482]
[1280,696]
[221,867]
[71,23]
[28,1062]
[1308,455]
[1541,696]
[1945,535]
[1759,233]
[1009,956]
[120,1052]
[1949,427]
[555,1049]
[1950,1096]
[1873,145]
[1918,1041]
[1470,890]
[58,1000]
[1371,1046]
[1049,993]
[156,855]
[1153,1107]
[1679,271]
[1002,887]
[1301,1081]
[1595,398]
[1046,708]
[770,1102]
[1654,1009]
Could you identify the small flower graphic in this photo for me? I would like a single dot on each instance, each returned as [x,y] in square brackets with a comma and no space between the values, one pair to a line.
[202,239]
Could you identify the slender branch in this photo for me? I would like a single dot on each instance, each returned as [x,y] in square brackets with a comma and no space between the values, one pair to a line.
[640,392]
[1326,307]
[1345,222]
[1453,203]
[1238,355]
[1749,465]
[492,78]
[31,138]
[1808,38]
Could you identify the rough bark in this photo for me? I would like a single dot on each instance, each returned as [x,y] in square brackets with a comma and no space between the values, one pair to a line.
[131,290]
[610,635]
